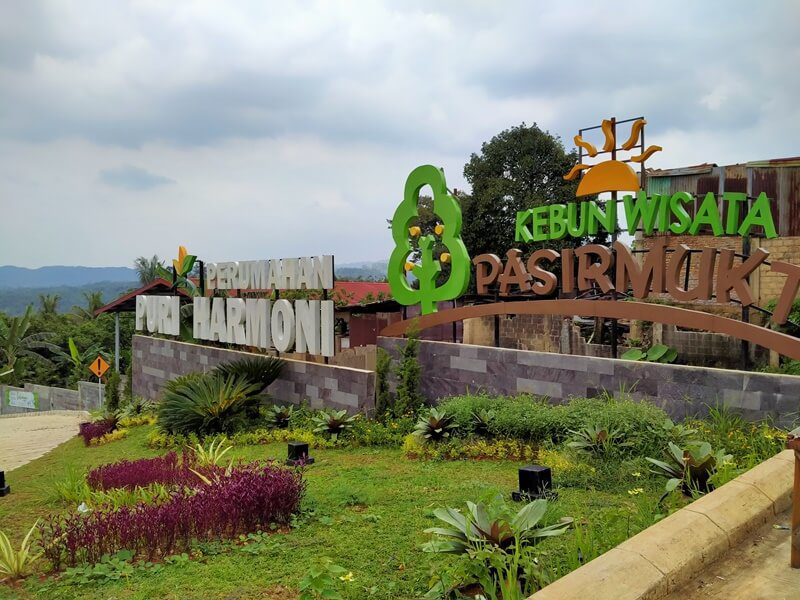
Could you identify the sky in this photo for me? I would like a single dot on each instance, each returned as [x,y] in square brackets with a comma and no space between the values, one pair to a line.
[252,130]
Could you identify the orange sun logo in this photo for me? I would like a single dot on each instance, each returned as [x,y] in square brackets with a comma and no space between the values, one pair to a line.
[610,175]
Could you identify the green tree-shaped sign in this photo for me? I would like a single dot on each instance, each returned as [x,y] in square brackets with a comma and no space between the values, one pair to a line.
[427,270]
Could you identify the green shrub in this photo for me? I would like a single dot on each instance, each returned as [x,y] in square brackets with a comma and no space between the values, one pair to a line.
[112,392]
[409,397]
[258,370]
[206,404]
[640,424]
[383,397]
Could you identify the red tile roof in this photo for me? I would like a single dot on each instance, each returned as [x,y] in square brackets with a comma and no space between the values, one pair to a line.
[353,292]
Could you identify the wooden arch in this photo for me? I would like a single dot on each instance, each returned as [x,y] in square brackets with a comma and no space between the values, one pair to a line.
[781,343]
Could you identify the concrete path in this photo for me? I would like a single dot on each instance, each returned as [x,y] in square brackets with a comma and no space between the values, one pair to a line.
[757,570]
[26,437]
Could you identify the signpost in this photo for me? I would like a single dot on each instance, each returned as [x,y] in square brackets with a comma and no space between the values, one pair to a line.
[99,367]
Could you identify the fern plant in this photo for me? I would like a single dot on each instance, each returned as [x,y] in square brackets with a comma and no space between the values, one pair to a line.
[16,563]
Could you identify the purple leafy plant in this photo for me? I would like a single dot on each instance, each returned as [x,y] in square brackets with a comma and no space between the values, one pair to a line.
[167,470]
[245,499]
[95,429]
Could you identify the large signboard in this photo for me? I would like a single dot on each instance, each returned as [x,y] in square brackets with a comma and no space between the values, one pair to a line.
[302,325]
[22,399]
[609,269]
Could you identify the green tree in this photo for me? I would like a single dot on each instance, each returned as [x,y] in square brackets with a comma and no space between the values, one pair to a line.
[148,269]
[94,301]
[48,304]
[409,397]
[517,169]
[17,342]
[79,360]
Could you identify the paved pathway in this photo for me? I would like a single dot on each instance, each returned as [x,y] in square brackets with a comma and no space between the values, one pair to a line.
[27,437]
[757,570]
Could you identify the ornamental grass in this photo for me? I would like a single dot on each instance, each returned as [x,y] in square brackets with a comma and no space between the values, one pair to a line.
[248,498]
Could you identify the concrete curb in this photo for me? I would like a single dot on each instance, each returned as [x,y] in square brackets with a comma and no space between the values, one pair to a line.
[68,413]
[663,557]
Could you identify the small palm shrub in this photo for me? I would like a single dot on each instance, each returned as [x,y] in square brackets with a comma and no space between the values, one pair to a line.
[435,426]
[279,416]
[136,407]
[16,563]
[262,371]
[207,404]
[333,422]
[689,468]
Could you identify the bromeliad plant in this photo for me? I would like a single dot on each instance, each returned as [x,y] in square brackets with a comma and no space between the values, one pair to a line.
[596,440]
[278,416]
[689,468]
[436,426]
[333,422]
[482,420]
[498,544]
[16,563]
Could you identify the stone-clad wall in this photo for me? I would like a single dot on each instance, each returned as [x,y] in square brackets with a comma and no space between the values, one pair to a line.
[156,361]
[86,397]
[451,369]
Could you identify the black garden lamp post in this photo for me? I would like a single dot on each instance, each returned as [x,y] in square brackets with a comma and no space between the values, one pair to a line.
[535,481]
[298,454]
[4,489]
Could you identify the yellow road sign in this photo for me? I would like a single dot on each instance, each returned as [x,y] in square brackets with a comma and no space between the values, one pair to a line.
[98,367]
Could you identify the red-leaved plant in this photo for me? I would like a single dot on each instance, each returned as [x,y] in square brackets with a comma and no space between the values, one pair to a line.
[248,498]
[95,429]
[129,474]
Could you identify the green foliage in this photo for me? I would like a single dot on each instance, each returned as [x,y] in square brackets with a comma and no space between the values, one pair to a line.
[409,397]
[206,404]
[16,563]
[519,168]
[597,441]
[94,301]
[148,269]
[17,340]
[333,422]
[482,420]
[689,468]
[256,370]
[279,416]
[323,580]
[435,426]
[79,360]
[112,391]
[211,454]
[641,424]
[383,396]
[658,353]
[137,407]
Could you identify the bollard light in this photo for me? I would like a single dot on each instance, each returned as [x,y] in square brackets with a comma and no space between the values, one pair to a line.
[4,489]
[535,481]
[298,454]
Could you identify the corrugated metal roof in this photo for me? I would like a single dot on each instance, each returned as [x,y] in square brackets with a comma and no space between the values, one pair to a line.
[793,161]
[693,170]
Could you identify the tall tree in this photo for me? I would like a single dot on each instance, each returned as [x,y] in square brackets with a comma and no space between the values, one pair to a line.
[48,304]
[94,300]
[16,342]
[148,269]
[517,169]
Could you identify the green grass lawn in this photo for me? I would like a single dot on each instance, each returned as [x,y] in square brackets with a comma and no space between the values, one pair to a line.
[366,509]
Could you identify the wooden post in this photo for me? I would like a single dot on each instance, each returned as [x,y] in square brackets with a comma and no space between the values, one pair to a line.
[793,443]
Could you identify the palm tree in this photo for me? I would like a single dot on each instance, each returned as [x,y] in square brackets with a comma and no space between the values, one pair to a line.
[148,268]
[94,300]
[48,304]
[16,342]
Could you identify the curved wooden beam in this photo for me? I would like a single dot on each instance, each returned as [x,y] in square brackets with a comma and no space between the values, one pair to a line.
[781,343]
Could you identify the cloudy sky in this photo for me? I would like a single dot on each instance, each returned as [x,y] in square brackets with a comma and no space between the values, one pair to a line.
[262,129]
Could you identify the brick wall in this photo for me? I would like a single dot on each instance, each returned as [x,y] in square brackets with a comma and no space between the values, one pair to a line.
[452,369]
[156,361]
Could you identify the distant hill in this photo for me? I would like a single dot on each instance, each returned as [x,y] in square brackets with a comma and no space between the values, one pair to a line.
[14,300]
[17,277]
[362,270]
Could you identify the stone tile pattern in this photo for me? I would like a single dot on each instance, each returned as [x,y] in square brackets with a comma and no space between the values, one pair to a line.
[54,398]
[450,369]
[156,361]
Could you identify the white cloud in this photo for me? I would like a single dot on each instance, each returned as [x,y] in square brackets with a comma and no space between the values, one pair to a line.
[271,129]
